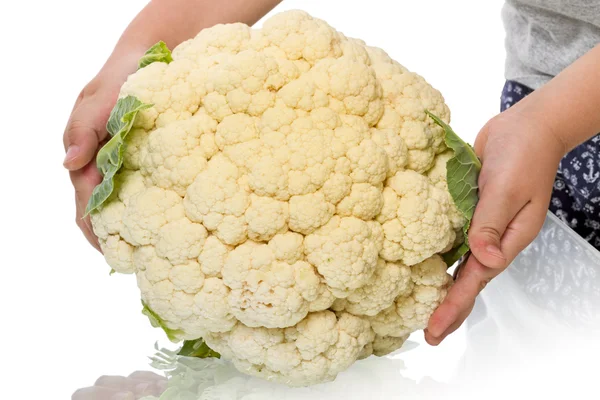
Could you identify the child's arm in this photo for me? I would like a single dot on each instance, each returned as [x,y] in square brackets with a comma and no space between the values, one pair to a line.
[569,104]
[172,21]
[520,149]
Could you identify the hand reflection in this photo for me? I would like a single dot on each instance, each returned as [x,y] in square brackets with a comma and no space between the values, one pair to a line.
[135,386]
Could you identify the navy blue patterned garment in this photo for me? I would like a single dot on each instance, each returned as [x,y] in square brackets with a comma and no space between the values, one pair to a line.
[576,193]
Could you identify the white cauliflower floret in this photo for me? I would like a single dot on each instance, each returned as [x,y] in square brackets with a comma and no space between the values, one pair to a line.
[266,217]
[309,212]
[220,39]
[421,226]
[390,281]
[174,153]
[283,196]
[136,149]
[266,291]
[287,247]
[337,187]
[119,254]
[299,36]
[394,146]
[108,220]
[149,211]
[129,183]
[344,252]
[168,88]
[364,202]
[212,314]
[218,199]
[324,300]
[213,255]
[369,163]
[149,264]
[187,277]
[313,351]
[180,240]
[411,313]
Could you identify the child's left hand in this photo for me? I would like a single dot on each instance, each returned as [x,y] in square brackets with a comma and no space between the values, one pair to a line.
[520,157]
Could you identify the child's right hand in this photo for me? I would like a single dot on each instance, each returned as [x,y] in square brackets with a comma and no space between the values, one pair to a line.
[83,137]
[172,21]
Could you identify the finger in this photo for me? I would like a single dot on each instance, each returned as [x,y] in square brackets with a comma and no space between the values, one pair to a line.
[524,228]
[497,206]
[84,224]
[481,140]
[472,277]
[460,298]
[84,131]
[89,234]
[84,181]
[435,341]
[85,228]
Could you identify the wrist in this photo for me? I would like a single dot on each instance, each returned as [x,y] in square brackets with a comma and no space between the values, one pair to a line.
[567,106]
[541,123]
[124,59]
[121,63]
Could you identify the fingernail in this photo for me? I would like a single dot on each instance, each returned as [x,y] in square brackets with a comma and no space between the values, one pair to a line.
[439,325]
[429,338]
[72,152]
[494,250]
[432,340]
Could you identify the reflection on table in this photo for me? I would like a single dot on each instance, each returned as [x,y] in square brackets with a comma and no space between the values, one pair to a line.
[532,334]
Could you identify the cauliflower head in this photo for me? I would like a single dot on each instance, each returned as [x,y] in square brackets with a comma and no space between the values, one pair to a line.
[281,194]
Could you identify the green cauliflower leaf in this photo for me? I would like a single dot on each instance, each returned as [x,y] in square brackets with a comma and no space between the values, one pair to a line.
[110,157]
[462,174]
[157,53]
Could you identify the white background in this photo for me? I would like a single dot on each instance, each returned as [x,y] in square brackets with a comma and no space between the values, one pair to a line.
[64,321]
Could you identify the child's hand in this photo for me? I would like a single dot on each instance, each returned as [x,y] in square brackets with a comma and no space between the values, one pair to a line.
[520,157]
[167,20]
[84,134]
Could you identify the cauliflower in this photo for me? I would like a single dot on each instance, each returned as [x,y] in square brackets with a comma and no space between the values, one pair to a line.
[280,194]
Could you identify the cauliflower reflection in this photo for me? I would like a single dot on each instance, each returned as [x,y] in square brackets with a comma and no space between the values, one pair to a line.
[214,379]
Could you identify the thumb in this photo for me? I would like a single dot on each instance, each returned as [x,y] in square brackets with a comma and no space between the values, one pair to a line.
[495,210]
[85,130]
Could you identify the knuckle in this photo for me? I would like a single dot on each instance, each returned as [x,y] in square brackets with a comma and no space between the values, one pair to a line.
[81,96]
[510,191]
[77,127]
[488,231]
[91,88]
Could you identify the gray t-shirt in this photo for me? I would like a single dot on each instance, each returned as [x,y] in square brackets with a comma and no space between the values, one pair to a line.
[543,37]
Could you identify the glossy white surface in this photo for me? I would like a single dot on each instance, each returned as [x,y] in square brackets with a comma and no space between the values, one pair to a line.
[536,326]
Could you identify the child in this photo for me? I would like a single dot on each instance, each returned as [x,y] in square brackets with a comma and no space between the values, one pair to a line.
[550,117]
